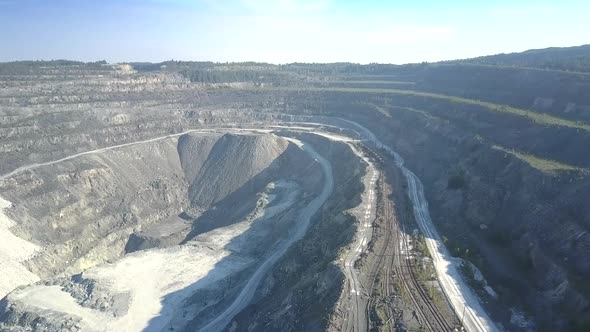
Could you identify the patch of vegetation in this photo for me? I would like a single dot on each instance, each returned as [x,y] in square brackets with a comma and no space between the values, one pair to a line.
[222,76]
[372,82]
[581,324]
[420,246]
[456,180]
[382,316]
[426,273]
[499,238]
[580,283]
[544,165]
[469,275]
[403,293]
[435,296]
[458,248]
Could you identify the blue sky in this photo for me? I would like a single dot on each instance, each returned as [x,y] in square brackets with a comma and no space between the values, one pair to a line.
[283,31]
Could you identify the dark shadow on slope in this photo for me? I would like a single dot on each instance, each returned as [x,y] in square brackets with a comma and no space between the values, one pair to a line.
[237,205]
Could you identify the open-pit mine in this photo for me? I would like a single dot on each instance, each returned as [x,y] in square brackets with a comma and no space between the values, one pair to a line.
[137,197]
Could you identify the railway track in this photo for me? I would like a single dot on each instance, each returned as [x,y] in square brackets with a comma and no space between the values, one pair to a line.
[401,269]
[378,272]
[394,260]
[429,309]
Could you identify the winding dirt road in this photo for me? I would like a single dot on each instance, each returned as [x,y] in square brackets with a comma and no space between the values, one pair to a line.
[303,221]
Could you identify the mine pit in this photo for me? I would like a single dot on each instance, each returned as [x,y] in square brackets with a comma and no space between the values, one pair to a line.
[123,238]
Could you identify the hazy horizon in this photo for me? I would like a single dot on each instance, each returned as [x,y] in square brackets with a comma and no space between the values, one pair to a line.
[284,31]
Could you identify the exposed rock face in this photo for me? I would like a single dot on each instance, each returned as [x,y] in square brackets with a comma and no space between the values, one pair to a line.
[83,215]
[54,112]
[82,210]
[261,181]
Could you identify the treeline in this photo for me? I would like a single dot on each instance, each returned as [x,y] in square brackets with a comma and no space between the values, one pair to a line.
[212,72]
[224,76]
[344,68]
[581,64]
[576,59]
[28,67]
[291,73]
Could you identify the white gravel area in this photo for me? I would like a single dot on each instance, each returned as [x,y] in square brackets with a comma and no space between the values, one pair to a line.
[13,251]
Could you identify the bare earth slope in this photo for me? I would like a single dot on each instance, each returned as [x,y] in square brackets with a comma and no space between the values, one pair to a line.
[127,295]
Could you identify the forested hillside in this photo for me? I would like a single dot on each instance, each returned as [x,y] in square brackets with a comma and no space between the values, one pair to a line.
[556,58]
